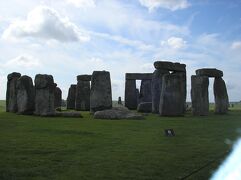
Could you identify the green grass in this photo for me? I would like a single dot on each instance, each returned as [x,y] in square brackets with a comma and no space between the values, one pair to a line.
[69,148]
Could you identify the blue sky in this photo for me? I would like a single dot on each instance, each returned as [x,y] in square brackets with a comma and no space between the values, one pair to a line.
[71,37]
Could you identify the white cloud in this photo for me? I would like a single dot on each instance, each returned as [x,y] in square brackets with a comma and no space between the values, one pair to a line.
[236,45]
[175,43]
[24,61]
[147,67]
[45,23]
[172,5]
[82,3]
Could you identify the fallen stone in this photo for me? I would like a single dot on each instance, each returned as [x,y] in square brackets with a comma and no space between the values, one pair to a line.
[145,107]
[69,114]
[117,113]
[210,72]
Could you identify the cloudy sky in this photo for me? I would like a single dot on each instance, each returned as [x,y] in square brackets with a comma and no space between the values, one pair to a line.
[66,38]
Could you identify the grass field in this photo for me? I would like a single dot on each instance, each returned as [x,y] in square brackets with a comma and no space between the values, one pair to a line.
[85,148]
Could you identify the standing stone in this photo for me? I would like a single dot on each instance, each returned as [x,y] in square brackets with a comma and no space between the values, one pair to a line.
[184,87]
[11,95]
[82,101]
[71,97]
[199,95]
[145,91]
[130,94]
[171,99]
[57,97]
[25,95]
[156,86]
[221,96]
[100,94]
[44,95]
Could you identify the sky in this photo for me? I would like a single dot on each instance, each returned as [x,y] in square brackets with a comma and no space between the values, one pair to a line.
[66,38]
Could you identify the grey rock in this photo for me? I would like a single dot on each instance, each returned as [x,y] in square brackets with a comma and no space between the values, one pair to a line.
[82,99]
[84,77]
[145,107]
[221,96]
[210,72]
[25,95]
[138,76]
[156,86]
[170,66]
[199,95]
[145,91]
[100,94]
[117,113]
[71,97]
[57,97]
[130,94]
[11,94]
[69,114]
[171,99]
[44,95]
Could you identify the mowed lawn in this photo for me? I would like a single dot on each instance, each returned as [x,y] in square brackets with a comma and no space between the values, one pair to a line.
[84,148]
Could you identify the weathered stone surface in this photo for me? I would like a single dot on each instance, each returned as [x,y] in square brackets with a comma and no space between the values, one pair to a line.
[11,95]
[130,94]
[44,95]
[199,95]
[71,97]
[156,86]
[117,113]
[25,95]
[57,97]
[138,76]
[184,87]
[145,91]
[145,107]
[84,77]
[221,96]
[69,114]
[137,97]
[171,99]
[82,101]
[210,72]
[170,66]
[100,94]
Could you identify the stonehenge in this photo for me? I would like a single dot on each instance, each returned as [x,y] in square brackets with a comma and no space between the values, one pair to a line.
[44,95]
[71,97]
[162,92]
[100,93]
[11,95]
[82,97]
[199,92]
[25,95]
